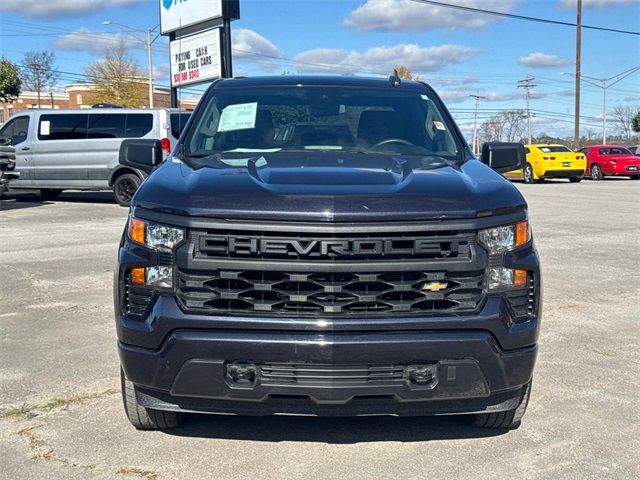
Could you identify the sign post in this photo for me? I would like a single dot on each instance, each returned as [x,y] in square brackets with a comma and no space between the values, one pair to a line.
[200,40]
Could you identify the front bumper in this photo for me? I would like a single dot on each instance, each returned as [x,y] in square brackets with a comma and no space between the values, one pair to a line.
[190,372]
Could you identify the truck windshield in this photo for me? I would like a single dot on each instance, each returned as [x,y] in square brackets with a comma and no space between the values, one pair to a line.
[267,120]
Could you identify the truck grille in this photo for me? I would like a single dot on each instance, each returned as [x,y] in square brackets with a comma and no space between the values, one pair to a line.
[310,374]
[330,293]
[249,245]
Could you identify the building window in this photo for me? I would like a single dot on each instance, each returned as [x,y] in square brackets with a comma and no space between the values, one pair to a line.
[79,99]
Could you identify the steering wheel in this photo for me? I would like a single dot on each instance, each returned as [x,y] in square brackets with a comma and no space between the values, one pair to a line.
[393,140]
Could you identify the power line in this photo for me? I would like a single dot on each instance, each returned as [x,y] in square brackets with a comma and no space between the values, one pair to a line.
[523,17]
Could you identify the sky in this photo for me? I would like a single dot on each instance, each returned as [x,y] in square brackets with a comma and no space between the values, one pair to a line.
[459,53]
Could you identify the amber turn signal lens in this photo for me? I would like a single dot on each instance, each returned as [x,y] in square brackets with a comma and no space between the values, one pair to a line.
[522,233]
[519,278]
[136,230]
[138,276]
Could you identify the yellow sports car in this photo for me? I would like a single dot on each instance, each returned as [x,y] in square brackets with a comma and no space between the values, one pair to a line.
[550,161]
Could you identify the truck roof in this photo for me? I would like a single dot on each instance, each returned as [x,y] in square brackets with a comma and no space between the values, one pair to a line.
[324,80]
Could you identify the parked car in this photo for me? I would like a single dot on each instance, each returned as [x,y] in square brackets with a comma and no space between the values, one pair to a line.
[60,150]
[370,266]
[550,161]
[635,149]
[611,160]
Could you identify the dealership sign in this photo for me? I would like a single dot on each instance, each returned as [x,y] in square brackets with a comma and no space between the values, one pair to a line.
[196,59]
[190,16]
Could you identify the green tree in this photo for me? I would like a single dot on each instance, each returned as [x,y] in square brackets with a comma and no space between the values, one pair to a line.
[10,83]
[635,123]
[118,79]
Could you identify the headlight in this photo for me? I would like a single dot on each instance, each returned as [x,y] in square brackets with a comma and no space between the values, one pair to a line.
[154,235]
[500,239]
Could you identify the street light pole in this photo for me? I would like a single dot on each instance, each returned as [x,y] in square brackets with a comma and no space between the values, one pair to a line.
[604,111]
[604,84]
[149,68]
[148,43]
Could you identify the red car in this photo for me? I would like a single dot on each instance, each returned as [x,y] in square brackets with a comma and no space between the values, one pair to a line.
[604,160]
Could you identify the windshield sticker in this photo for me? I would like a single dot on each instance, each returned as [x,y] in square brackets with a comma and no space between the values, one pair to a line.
[238,117]
[439,125]
[45,128]
[545,149]
[424,97]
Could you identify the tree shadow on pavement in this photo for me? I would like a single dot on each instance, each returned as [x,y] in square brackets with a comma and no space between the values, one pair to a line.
[332,430]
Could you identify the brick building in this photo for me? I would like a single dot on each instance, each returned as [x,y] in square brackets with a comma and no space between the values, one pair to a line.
[78,95]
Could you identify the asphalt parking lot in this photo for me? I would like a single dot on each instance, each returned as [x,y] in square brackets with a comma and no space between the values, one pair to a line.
[61,415]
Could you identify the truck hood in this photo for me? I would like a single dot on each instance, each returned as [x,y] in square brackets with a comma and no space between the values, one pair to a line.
[353,188]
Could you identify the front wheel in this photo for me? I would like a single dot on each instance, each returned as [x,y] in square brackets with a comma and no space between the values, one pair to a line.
[124,187]
[144,418]
[575,179]
[509,418]
[596,172]
[50,193]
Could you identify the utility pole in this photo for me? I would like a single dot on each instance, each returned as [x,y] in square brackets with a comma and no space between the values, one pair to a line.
[604,111]
[576,131]
[36,72]
[474,141]
[528,84]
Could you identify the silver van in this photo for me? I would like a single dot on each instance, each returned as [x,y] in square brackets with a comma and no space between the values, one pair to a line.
[60,150]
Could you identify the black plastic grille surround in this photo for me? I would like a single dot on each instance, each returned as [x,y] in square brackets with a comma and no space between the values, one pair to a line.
[522,303]
[137,299]
[338,293]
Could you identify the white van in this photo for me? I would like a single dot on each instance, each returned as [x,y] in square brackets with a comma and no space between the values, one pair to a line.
[60,150]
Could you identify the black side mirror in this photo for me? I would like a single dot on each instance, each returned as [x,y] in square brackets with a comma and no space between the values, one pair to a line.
[504,157]
[141,153]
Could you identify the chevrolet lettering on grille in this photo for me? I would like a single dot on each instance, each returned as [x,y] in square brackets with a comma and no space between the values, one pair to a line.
[246,246]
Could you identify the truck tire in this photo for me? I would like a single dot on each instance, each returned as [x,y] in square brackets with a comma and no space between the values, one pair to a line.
[50,193]
[575,179]
[509,419]
[141,417]
[596,172]
[124,187]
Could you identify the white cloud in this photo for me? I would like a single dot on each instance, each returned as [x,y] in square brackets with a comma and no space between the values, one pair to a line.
[251,47]
[542,60]
[598,3]
[97,43]
[382,60]
[452,96]
[410,16]
[162,72]
[61,8]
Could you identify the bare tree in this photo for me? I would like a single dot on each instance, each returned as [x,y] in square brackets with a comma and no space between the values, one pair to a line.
[118,78]
[38,71]
[508,126]
[623,121]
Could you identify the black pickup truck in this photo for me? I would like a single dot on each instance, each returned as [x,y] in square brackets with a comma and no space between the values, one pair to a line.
[328,246]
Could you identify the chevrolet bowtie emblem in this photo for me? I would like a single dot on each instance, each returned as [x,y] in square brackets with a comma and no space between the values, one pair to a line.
[434,286]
